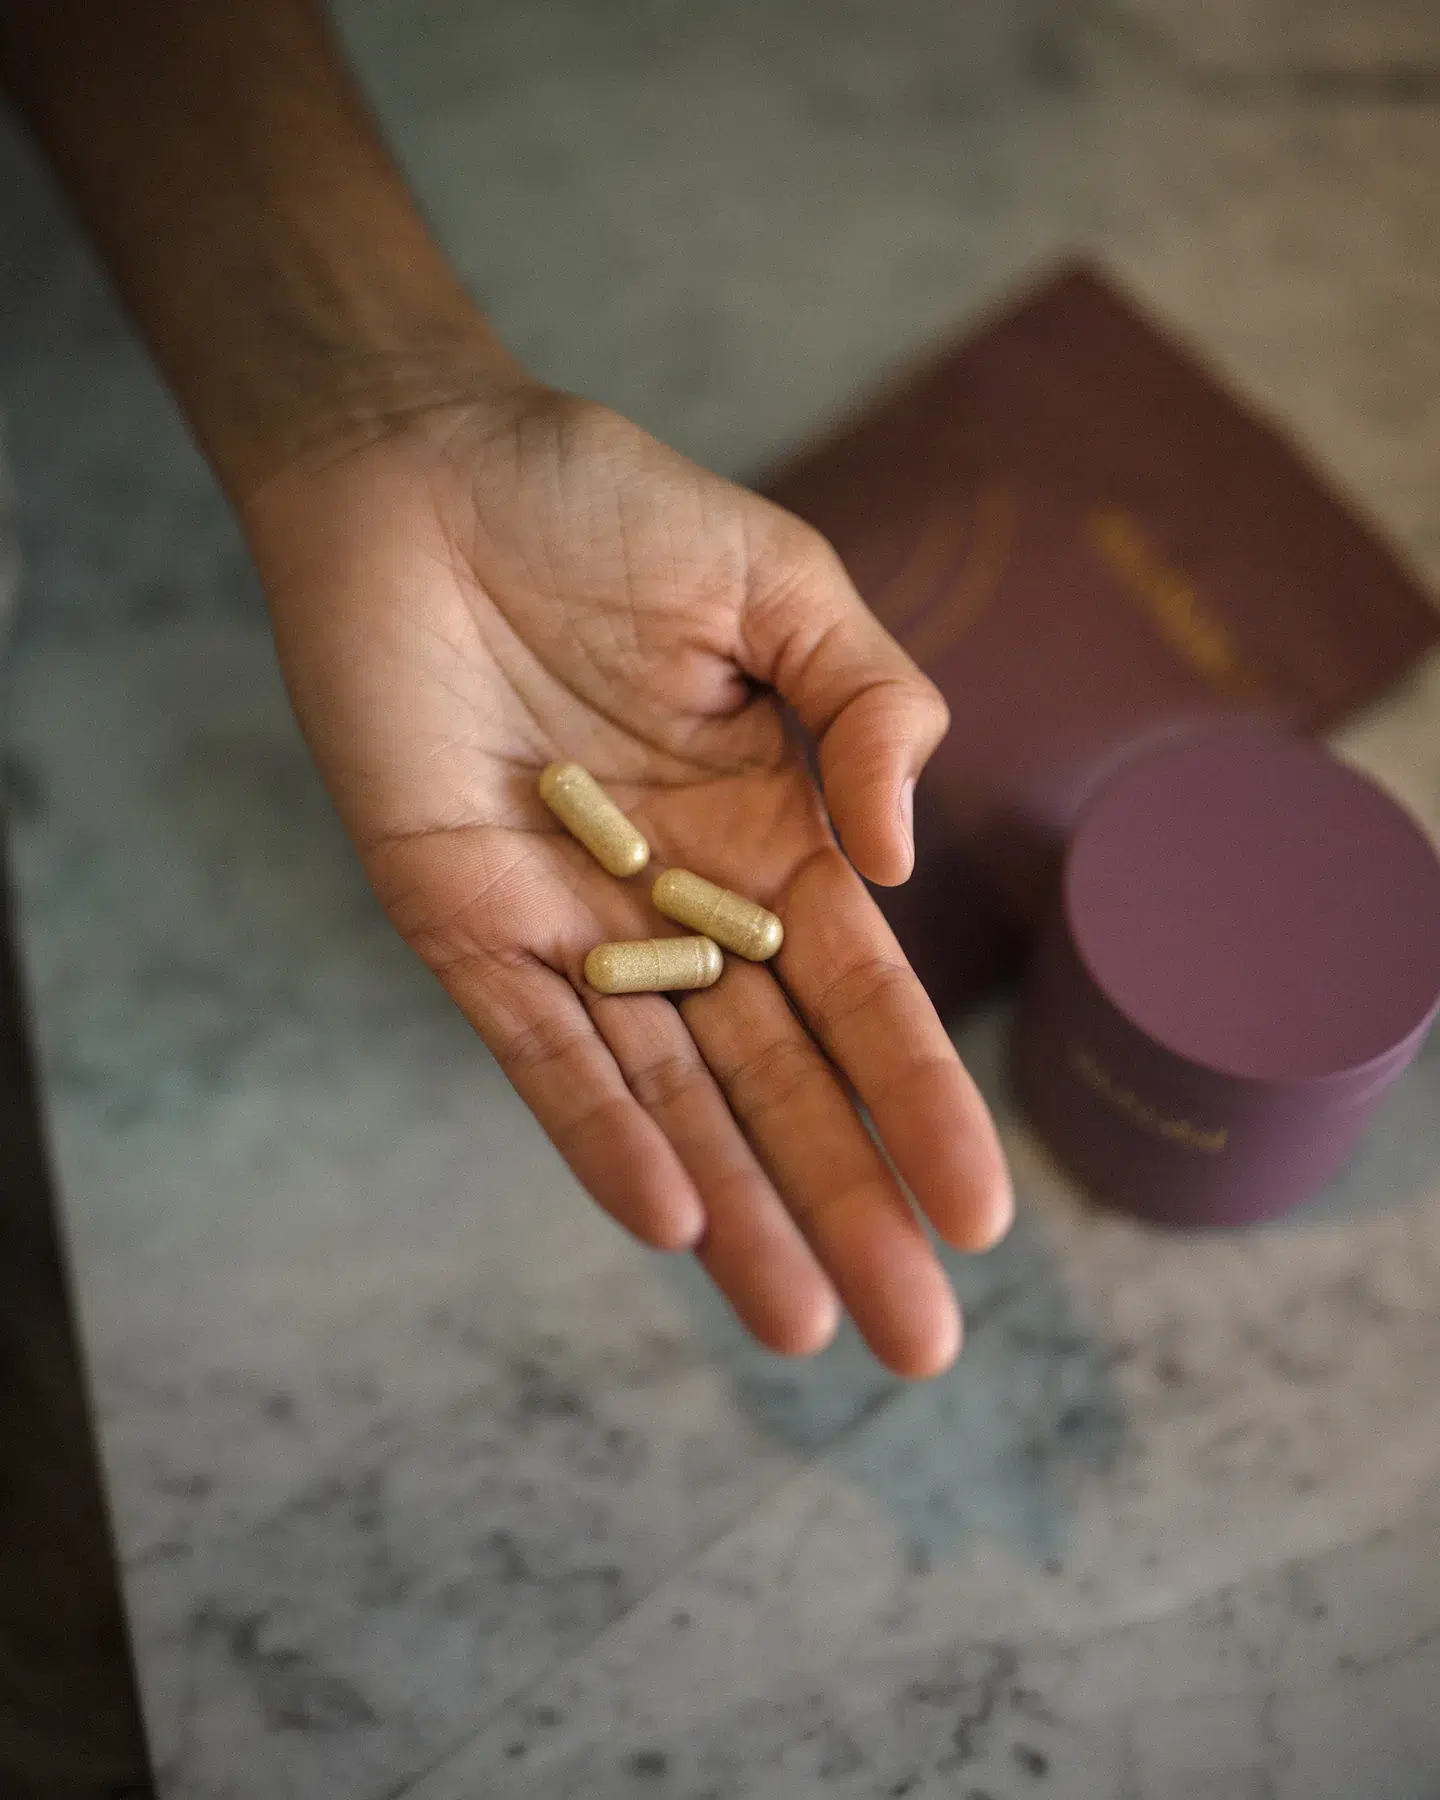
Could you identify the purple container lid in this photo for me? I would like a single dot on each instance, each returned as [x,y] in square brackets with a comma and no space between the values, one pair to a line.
[1259,909]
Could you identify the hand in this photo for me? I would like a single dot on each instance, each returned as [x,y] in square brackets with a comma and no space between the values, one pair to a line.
[515,577]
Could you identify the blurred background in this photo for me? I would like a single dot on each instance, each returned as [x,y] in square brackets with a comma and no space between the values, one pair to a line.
[429,1484]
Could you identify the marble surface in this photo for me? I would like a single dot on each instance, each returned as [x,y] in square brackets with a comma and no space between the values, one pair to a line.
[430,1484]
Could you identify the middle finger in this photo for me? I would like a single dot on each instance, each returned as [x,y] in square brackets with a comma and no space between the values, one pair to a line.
[751,1248]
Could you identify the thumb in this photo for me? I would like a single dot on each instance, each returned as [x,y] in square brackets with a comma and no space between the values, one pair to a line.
[876,717]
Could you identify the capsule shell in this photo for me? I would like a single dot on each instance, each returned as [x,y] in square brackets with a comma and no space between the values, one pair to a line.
[588,813]
[654,965]
[738,924]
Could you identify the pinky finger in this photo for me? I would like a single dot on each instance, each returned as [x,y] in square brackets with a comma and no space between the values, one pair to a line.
[543,1038]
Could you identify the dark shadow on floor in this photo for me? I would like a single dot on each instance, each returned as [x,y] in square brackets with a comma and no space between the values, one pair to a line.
[1002,1442]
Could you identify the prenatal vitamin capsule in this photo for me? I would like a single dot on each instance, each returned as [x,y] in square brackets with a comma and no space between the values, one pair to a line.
[654,965]
[587,812]
[739,924]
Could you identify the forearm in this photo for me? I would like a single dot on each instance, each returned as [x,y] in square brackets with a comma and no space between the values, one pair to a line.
[263,239]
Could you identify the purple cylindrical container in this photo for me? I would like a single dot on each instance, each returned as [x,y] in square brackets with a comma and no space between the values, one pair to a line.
[1245,954]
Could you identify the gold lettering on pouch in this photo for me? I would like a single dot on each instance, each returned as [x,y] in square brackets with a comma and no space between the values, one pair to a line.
[1173,604]
[950,571]
[976,582]
[1209,1140]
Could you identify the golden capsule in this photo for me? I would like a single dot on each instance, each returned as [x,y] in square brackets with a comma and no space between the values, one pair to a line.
[654,965]
[739,924]
[587,812]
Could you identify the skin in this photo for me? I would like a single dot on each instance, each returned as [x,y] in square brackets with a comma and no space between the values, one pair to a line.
[470,575]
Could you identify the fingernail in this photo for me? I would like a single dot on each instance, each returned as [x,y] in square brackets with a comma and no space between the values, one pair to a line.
[907,816]
[1002,1217]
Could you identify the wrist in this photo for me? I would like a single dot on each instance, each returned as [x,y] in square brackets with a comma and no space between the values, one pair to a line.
[263,238]
[300,393]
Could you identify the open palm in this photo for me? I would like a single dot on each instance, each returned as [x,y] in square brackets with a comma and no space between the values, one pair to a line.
[488,586]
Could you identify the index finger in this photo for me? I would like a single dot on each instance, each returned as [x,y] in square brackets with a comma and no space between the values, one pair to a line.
[849,978]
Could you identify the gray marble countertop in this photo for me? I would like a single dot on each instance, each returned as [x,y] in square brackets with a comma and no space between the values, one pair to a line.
[428,1482]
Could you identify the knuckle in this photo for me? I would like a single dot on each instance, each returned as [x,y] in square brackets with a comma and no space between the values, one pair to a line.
[864,987]
[732,1190]
[664,1082]
[531,1043]
[919,706]
[933,705]
[772,1078]
[812,1210]
[817,559]
[799,562]
[590,1120]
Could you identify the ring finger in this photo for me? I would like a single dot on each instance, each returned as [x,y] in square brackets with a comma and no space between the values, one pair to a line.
[804,1127]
